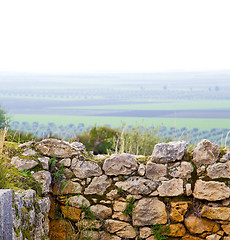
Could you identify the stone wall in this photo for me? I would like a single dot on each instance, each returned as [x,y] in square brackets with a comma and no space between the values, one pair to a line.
[174,193]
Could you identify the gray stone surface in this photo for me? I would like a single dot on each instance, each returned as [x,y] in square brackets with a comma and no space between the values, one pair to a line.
[169,152]
[85,169]
[60,149]
[6,217]
[22,164]
[205,153]
[137,185]
[155,171]
[171,188]
[120,164]
[98,185]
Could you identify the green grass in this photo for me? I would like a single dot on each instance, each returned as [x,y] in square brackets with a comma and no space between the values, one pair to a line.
[202,124]
[163,105]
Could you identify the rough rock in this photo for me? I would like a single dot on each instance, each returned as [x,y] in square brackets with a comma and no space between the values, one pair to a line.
[23,164]
[78,201]
[98,185]
[189,237]
[188,189]
[71,212]
[29,152]
[89,234]
[108,236]
[169,152]
[78,146]
[145,232]
[101,211]
[68,173]
[122,229]
[183,171]
[44,204]
[217,213]
[176,230]
[61,228]
[45,162]
[26,144]
[113,194]
[149,211]
[53,147]
[226,157]
[119,206]
[211,191]
[66,162]
[151,238]
[213,237]
[89,224]
[205,153]
[141,170]
[219,170]
[178,210]
[121,216]
[155,171]
[137,185]
[171,188]
[226,228]
[43,177]
[67,187]
[197,225]
[120,164]
[85,169]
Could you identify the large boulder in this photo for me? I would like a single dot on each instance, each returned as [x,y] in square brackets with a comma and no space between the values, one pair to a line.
[120,164]
[137,185]
[205,153]
[211,191]
[149,211]
[85,169]
[54,147]
[169,152]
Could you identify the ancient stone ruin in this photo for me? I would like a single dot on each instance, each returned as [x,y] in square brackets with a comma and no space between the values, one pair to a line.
[172,194]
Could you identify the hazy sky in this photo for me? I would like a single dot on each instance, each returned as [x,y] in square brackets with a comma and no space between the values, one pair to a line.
[97,36]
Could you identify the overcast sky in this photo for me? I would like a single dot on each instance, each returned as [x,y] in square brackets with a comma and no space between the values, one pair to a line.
[107,36]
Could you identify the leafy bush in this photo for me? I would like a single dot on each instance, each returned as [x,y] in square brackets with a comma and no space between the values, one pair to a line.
[98,139]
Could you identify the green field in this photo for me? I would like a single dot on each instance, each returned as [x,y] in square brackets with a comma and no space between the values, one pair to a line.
[202,124]
[163,105]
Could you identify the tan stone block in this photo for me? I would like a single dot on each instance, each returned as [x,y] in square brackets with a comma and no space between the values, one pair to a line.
[189,237]
[197,225]
[71,212]
[226,228]
[176,230]
[119,206]
[217,213]
[178,210]
[61,229]
[145,232]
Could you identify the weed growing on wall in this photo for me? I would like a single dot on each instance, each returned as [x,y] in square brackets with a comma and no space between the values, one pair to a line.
[160,231]
[129,207]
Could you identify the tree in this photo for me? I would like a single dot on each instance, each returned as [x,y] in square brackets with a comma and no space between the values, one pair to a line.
[3,118]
